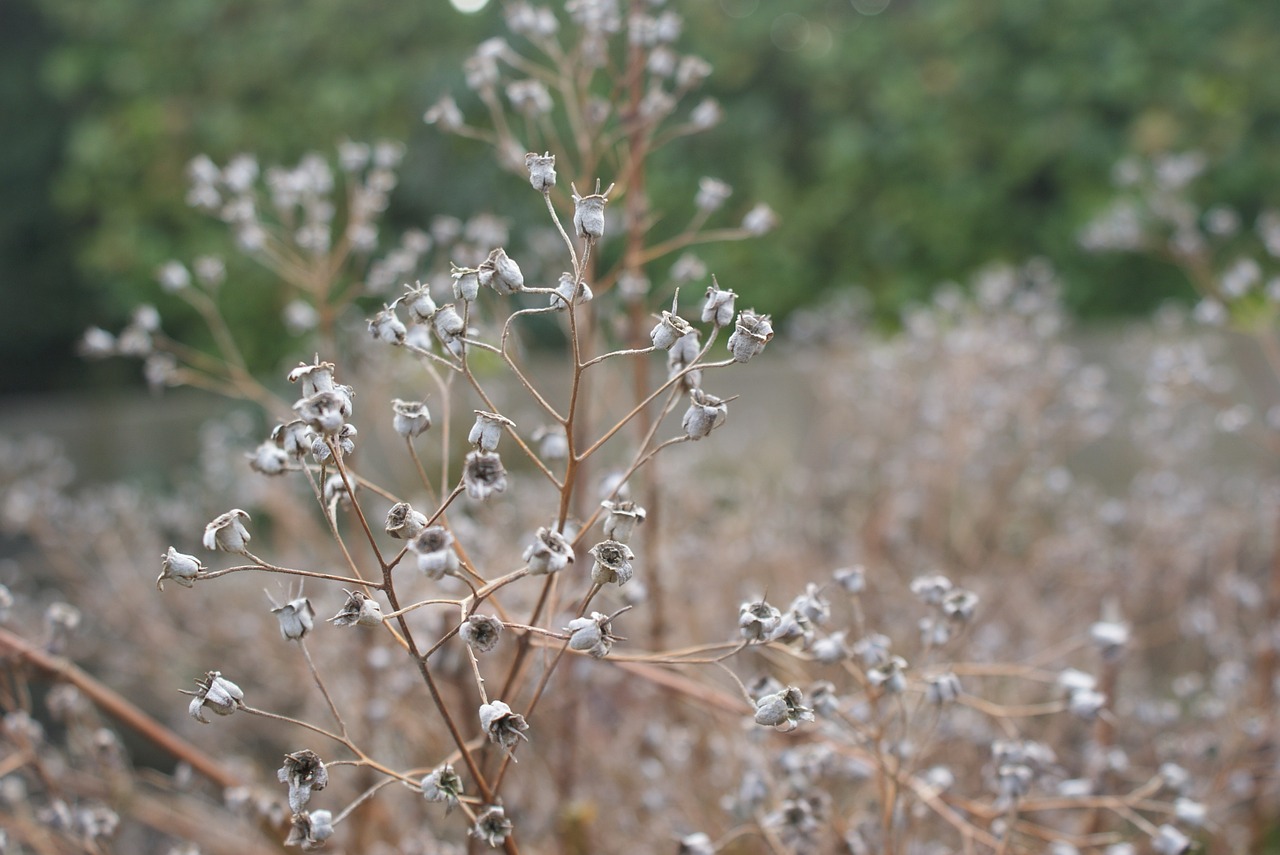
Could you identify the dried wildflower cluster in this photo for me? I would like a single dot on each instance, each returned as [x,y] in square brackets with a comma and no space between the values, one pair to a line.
[1015,658]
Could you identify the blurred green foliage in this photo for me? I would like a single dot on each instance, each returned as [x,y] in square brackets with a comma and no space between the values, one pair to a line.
[901,148]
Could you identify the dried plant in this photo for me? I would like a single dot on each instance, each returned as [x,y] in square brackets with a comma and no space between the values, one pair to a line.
[1014,655]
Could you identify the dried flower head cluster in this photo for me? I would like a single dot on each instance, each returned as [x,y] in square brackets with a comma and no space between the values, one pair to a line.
[1019,661]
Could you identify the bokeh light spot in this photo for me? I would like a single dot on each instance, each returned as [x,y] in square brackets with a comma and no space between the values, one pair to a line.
[739,8]
[790,31]
[870,7]
[469,6]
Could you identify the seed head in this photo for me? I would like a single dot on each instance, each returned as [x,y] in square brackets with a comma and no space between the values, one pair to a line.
[442,785]
[179,567]
[621,521]
[359,610]
[750,334]
[718,308]
[542,171]
[503,726]
[403,522]
[216,693]
[411,418]
[304,772]
[434,548]
[488,429]
[227,533]
[550,552]
[588,213]
[481,632]
[483,474]
[706,413]
[612,563]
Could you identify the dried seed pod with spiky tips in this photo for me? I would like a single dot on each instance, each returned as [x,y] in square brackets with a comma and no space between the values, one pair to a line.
[217,694]
[588,213]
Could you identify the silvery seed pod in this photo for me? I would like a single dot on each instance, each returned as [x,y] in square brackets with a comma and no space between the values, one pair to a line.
[506,276]
[227,533]
[718,308]
[488,429]
[466,283]
[386,327]
[412,418]
[669,329]
[542,171]
[588,213]
[296,617]
[403,522]
[179,567]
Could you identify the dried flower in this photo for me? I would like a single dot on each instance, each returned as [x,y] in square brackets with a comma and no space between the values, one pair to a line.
[325,412]
[386,327]
[492,826]
[570,291]
[889,675]
[811,605]
[550,552]
[442,785]
[622,519]
[750,334]
[296,618]
[317,377]
[411,418]
[542,171]
[552,441]
[483,474]
[481,632]
[592,634]
[294,438]
[718,308]
[434,548]
[613,562]
[760,220]
[343,440]
[488,429]
[501,274]
[310,830]
[942,689]
[419,303]
[705,414]
[669,329]
[359,610]
[304,772]
[783,710]
[466,283]
[227,533]
[503,726]
[449,329]
[179,567]
[217,693]
[831,649]
[931,589]
[403,522]
[758,621]
[1111,637]
[268,459]
[712,193]
[588,213]
[852,579]
[959,603]
[682,355]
